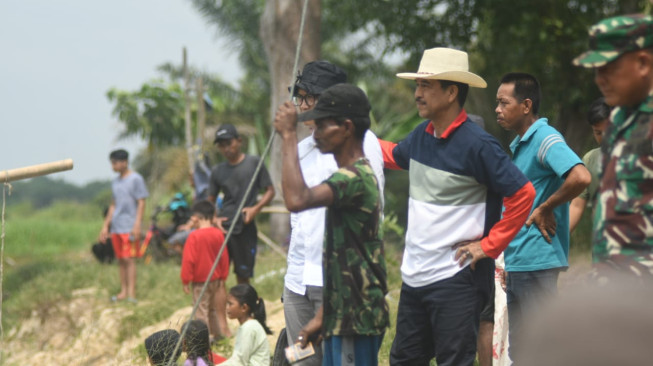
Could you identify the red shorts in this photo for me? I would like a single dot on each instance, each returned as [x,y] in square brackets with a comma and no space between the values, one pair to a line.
[124,248]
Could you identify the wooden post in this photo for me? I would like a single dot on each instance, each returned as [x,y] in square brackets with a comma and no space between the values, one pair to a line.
[189,137]
[7,176]
[201,114]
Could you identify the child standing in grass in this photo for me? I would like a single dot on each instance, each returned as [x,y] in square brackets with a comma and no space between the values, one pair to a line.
[200,251]
[251,348]
[124,217]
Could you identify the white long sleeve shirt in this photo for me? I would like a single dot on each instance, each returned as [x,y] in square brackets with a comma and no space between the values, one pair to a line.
[307,227]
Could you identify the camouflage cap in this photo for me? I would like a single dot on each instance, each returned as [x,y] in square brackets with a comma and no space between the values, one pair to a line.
[612,37]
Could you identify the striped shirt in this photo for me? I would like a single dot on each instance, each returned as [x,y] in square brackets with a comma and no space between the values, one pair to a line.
[544,157]
[457,184]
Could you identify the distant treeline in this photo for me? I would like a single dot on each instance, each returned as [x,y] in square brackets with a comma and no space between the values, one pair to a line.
[43,191]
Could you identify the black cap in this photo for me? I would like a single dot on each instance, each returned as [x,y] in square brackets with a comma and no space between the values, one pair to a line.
[317,76]
[225,132]
[341,100]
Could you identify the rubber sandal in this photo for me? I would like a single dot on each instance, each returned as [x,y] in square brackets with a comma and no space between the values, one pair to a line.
[132,300]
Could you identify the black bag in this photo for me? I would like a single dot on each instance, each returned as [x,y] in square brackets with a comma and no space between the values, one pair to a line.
[103,252]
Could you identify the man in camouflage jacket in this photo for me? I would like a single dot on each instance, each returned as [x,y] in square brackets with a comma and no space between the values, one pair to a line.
[354,315]
[621,53]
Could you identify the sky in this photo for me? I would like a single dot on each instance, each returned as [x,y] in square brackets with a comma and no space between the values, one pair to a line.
[59,58]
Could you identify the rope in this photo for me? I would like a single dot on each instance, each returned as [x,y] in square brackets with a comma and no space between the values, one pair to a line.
[5,186]
[249,187]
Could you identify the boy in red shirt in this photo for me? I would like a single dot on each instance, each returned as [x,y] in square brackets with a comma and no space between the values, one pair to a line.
[200,251]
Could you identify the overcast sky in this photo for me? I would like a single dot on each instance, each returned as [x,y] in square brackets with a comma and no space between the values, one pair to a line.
[59,58]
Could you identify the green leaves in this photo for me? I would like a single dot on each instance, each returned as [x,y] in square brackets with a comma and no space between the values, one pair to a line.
[154,112]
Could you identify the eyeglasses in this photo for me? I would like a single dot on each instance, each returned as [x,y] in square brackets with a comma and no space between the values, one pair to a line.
[309,99]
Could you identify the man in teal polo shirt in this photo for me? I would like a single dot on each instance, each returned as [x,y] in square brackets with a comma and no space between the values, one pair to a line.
[540,250]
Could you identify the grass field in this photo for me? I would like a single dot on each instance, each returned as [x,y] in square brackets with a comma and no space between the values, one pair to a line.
[47,258]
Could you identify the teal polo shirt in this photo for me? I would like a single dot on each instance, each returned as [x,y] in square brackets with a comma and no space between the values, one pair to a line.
[544,158]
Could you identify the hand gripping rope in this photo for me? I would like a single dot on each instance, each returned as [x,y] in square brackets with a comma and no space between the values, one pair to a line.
[249,187]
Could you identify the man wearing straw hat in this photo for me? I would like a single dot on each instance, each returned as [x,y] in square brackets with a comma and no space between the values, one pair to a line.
[459,179]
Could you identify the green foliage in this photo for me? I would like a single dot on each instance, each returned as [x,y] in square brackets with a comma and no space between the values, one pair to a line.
[408,26]
[62,227]
[165,170]
[154,112]
[541,38]
[37,286]
[43,191]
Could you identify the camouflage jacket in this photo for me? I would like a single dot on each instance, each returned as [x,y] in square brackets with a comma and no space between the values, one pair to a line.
[354,263]
[623,218]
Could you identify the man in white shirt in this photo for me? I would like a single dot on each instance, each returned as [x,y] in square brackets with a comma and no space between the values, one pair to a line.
[302,295]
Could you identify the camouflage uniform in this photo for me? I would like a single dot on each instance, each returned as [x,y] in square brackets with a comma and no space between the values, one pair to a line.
[623,218]
[612,37]
[354,264]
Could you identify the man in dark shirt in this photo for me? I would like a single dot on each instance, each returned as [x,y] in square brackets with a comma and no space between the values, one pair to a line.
[232,177]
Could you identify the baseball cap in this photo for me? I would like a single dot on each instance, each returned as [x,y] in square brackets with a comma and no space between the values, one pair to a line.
[340,100]
[226,131]
[317,76]
[612,37]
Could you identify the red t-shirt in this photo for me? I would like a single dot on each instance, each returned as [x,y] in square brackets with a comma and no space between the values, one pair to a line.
[217,359]
[200,251]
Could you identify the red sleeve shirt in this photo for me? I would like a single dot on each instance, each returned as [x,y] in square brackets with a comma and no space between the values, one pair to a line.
[200,251]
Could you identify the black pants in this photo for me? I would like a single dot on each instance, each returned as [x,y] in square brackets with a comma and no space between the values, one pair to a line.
[242,250]
[438,320]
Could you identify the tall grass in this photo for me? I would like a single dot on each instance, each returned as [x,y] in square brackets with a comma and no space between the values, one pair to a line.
[61,228]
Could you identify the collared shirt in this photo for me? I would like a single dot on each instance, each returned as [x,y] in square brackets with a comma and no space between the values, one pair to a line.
[623,218]
[457,183]
[544,157]
[307,227]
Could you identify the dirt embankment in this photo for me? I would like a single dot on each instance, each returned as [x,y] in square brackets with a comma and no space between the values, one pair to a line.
[83,331]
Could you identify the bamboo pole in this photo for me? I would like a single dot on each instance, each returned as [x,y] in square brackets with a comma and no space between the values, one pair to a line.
[7,176]
[35,170]
[276,247]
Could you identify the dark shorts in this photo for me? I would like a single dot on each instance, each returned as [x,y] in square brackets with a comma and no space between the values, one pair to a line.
[242,250]
[438,320]
[487,313]
[485,274]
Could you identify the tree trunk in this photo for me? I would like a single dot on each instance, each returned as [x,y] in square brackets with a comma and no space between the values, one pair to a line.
[279,32]
[574,127]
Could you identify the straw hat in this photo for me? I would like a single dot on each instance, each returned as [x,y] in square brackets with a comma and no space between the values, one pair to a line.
[445,64]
